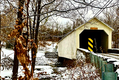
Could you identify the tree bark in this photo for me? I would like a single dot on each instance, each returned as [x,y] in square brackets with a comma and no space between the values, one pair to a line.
[0,42]
[34,50]
[15,66]
[16,62]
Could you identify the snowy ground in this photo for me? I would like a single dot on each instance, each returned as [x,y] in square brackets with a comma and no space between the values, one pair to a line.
[40,55]
[86,71]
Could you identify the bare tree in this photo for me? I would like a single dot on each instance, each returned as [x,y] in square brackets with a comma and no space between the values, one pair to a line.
[16,62]
[34,50]
[0,41]
[112,19]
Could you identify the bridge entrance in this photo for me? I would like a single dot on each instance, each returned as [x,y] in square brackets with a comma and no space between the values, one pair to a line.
[99,37]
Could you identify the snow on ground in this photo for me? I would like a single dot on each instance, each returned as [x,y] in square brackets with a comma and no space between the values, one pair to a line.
[41,59]
[112,59]
[117,72]
[6,73]
[48,48]
[7,52]
[116,63]
[49,71]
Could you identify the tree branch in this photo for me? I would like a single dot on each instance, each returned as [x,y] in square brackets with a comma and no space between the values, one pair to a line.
[11,4]
[89,4]
[47,17]
[77,10]
[47,4]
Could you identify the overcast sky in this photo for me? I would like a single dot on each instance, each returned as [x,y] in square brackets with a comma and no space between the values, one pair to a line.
[64,21]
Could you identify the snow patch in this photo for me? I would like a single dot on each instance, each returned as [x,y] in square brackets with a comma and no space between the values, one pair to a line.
[7,52]
[112,59]
[116,63]
[117,72]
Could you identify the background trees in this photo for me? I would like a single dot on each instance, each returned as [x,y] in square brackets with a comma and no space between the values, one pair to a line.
[112,19]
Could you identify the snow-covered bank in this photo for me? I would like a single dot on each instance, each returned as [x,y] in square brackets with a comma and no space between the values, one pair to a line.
[7,52]
[84,71]
[41,59]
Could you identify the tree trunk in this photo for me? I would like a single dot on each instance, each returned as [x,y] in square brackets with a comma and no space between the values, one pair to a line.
[16,62]
[34,50]
[32,37]
[15,66]
[0,42]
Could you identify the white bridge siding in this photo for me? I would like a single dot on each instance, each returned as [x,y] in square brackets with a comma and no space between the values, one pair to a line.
[67,47]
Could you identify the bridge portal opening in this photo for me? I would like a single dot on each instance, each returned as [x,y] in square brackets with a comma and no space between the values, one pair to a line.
[99,37]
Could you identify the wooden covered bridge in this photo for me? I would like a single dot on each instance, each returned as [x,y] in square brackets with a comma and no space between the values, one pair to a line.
[94,35]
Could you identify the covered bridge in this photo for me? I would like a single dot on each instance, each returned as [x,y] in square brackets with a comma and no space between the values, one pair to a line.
[94,35]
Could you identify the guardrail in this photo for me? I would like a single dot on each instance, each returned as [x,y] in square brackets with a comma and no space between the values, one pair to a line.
[107,66]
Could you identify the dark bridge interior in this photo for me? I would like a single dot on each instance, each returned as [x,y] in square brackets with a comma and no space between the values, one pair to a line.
[99,37]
